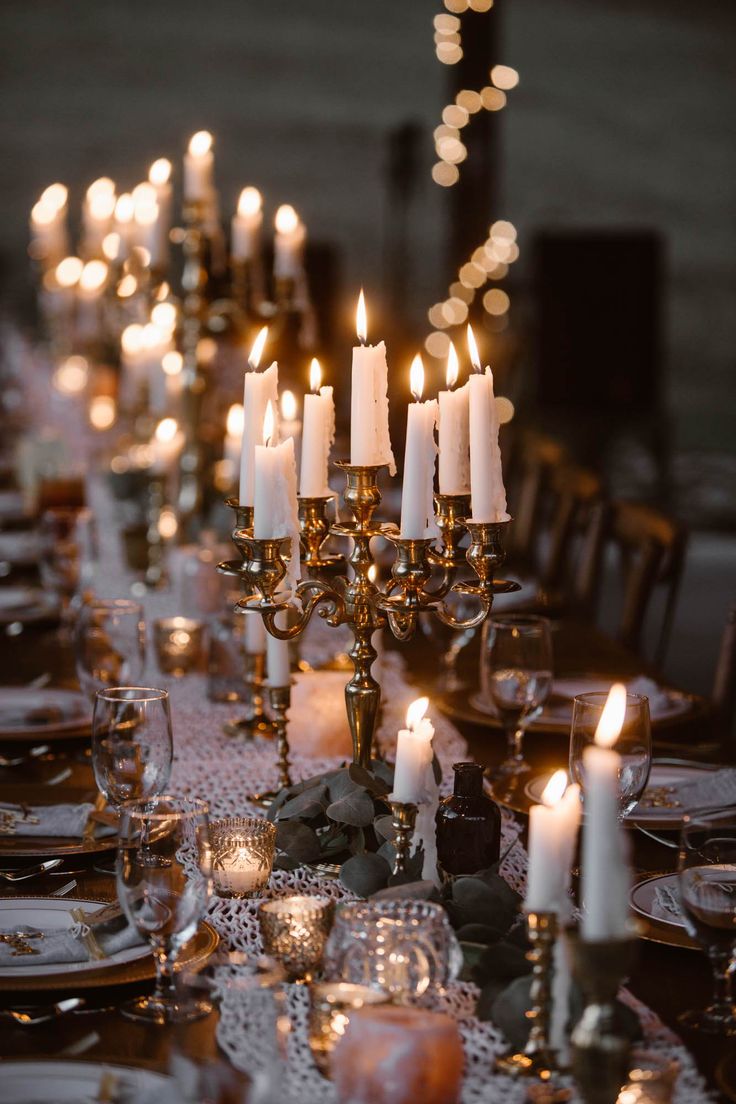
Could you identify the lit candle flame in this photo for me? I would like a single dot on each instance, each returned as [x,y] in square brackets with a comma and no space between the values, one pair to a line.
[416,377]
[555,788]
[315,376]
[256,352]
[93,275]
[235,420]
[288,406]
[68,271]
[144,194]
[453,366]
[160,171]
[361,319]
[55,196]
[164,315]
[103,186]
[612,717]
[473,349]
[124,208]
[249,202]
[269,423]
[415,712]
[166,430]
[111,246]
[286,220]
[172,363]
[200,143]
[131,338]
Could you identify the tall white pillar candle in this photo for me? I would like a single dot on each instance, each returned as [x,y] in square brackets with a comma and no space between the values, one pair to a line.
[275,512]
[419,460]
[454,431]
[413,755]
[245,228]
[318,434]
[370,442]
[278,672]
[488,495]
[259,388]
[159,175]
[199,168]
[288,243]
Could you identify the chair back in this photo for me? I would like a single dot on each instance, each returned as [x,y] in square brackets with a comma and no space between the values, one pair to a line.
[724,688]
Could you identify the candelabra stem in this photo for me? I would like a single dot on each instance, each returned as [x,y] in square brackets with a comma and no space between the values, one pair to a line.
[254,723]
[538,1058]
[404,815]
[362,697]
[279,699]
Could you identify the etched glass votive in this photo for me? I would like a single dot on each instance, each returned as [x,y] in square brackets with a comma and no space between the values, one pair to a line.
[178,642]
[242,855]
[294,931]
[331,1005]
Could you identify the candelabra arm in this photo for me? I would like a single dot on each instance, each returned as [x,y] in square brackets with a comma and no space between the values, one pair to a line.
[447,617]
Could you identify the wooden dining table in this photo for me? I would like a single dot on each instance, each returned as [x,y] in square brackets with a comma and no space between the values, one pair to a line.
[668,979]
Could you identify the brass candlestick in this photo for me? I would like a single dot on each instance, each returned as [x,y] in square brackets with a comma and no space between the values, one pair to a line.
[538,1058]
[600,1046]
[279,699]
[354,599]
[404,814]
[255,722]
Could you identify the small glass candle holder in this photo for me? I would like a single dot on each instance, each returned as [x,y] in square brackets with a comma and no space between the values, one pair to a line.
[331,1003]
[652,1079]
[294,931]
[242,855]
[178,642]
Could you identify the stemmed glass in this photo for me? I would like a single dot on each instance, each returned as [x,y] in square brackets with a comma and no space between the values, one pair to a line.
[707,885]
[450,641]
[109,644]
[516,676]
[164,880]
[131,743]
[634,745]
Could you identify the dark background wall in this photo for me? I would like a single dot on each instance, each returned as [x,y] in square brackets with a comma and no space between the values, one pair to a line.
[623,118]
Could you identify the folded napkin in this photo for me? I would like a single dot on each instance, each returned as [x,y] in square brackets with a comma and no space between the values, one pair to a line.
[55,945]
[666,904]
[659,696]
[49,820]
[713,790]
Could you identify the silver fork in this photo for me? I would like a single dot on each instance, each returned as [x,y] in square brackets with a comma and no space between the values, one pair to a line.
[30,871]
[44,1014]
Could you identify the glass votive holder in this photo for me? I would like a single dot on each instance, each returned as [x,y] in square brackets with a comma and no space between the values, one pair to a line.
[392,1055]
[178,642]
[242,855]
[294,931]
[651,1079]
[330,1006]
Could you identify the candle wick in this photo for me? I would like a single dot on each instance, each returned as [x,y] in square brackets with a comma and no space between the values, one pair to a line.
[361,341]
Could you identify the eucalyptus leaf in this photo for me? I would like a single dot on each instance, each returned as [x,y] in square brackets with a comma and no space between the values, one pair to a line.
[387,851]
[355,808]
[284,862]
[383,770]
[364,874]
[309,803]
[341,784]
[484,899]
[357,841]
[383,826]
[483,934]
[414,891]
[280,799]
[436,769]
[371,782]
[297,840]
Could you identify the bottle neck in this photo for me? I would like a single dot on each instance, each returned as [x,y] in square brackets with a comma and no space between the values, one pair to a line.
[468,779]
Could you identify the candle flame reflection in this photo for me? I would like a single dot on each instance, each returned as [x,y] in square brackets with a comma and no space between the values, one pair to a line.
[361,319]
[555,788]
[254,359]
[416,377]
[415,712]
[612,717]
[453,366]
[269,423]
[473,349]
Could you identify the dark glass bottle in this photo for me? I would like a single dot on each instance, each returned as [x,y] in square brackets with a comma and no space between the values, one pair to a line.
[468,824]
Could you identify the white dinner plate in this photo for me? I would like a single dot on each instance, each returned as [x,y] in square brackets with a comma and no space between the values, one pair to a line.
[662,776]
[26,604]
[27,713]
[47,913]
[37,1081]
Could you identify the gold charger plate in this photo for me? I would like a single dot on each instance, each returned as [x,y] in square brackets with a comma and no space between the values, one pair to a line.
[653,930]
[41,715]
[192,957]
[26,847]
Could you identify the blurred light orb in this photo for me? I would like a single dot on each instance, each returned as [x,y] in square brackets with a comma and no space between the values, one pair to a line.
[172,363]
[160,171]
[437,344]
[480,5]
[505,409]
[68,271]
[93,276]
[456,6]
[503,230]
[54,197]
[200,143]
[445,174]
[469,100]
[167,523]
[446,24]
[472,275]
[164,315]
[71,376]
[250,202]
[503,76]
[493,99]
[111,246]
[449,53]
[445,131]
[455,116]
[102,412]
[496,301]
[436,316]
[460,291]
[127,286]
[131,339]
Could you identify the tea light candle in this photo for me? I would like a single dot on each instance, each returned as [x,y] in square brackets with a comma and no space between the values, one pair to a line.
[413,755]
[294,930]
[242,855]
[370,442]
[178,643]
[392,1055]
[454,431]
[488,495]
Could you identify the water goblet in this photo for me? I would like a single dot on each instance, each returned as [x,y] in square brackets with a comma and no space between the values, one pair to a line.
[109,644]
[164,880]
[707,887]
[516,677]
[451,641]
[633,745]
[131,743]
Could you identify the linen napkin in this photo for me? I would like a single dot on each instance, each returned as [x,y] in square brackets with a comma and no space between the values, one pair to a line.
[49,820]
[55,945]
[713,790]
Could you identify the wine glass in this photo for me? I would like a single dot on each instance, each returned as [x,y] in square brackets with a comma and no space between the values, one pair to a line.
[109,644]
[707,885]
[451,641]
[634,744]
[164,880]
[131,743]
[516,676]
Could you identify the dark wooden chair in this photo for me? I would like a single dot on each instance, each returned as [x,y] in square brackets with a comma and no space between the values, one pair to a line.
[724,690]
[536,458]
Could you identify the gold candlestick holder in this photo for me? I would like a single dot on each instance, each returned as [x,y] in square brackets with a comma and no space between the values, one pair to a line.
[243,523]
[538,1058]
[600,1046]
[255,722]
[279,699]
[404,819]
[353,599]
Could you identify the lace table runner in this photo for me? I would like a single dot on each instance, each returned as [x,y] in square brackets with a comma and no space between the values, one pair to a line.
[211,765]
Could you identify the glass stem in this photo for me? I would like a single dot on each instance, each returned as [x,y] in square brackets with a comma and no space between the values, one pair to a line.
[515,740]
[165,989]
[722,998]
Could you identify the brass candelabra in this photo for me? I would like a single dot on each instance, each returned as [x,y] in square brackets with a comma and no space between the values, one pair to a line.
[538,1058]
[341,589]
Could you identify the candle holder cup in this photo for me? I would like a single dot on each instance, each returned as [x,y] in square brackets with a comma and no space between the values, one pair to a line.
[404,819]
[600,1045]
[315,529]
[451,510]
[243,522]
[242,855]
[294,931]
[538,1058]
